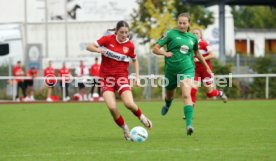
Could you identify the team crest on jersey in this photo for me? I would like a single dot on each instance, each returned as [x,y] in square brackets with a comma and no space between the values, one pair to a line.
[184,49]
[163,36]
[125,49]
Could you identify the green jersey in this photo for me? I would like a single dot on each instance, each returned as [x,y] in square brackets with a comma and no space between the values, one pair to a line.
[182,45]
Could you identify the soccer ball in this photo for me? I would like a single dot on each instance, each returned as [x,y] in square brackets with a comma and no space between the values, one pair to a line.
[138,134]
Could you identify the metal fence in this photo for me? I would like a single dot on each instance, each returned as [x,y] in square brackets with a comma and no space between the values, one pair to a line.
[151,87]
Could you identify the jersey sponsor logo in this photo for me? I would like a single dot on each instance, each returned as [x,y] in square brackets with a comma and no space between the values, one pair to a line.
[116,56]
[125,49]
[111,45]
[184,49]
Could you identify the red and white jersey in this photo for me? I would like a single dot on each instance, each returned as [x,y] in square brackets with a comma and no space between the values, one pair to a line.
[49,71]
[64,72]
[116,59]
[18,71]
[81,71]
[204,49]
[32,73]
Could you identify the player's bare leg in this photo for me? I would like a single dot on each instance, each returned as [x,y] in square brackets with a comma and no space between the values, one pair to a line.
[128,101]
[195,85]
[110,102]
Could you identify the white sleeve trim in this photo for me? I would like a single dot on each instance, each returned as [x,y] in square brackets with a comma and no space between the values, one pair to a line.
[86,71]
[97,44]
[134,57]
[77,71]
[209,48]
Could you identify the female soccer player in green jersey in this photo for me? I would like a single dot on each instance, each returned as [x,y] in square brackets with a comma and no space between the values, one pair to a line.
[181,46]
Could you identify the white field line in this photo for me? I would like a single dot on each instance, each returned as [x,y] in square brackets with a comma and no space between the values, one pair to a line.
[135,151]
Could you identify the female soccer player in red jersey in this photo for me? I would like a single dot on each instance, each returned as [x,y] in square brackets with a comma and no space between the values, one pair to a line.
[117,50]
[201,74]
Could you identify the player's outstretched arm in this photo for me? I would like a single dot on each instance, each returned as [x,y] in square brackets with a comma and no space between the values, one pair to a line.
[136,70]
[210,55]
[94,48]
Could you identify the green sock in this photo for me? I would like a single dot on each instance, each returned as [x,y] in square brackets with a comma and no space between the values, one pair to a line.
[188,112]
[168,103]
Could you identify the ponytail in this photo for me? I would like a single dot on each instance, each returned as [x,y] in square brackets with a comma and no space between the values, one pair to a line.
[118,26]
[112,30]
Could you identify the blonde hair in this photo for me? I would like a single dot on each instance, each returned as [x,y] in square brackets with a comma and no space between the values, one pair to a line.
[200,31]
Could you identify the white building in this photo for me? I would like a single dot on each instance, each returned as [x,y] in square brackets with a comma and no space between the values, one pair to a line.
[211,33]
[59,38]
[250,42]
[11,34]
[24,24]
[255,42]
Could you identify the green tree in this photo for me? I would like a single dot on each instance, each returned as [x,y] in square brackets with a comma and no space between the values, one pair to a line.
[254,17]
[264,65]
[4,70]
[154,17]
[199,15]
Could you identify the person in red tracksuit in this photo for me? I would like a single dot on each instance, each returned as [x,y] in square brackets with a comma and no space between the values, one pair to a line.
[17,71]
[95,73]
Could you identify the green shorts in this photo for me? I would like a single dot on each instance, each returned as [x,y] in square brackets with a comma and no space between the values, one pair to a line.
[175,77]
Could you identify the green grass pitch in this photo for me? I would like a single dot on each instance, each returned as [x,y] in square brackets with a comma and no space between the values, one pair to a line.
[236,131]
